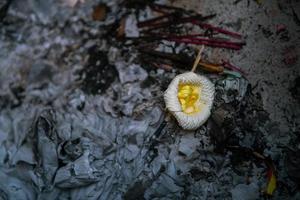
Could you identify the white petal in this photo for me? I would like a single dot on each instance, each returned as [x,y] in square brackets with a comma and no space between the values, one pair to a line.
[186,121]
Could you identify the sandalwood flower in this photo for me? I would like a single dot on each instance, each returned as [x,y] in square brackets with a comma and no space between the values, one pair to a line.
[189,98]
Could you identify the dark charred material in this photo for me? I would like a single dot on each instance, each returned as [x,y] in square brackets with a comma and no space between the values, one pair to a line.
[98,74]
[82,112]
[4,5]
[295,89]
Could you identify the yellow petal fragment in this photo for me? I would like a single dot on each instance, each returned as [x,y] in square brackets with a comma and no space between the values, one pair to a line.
[188,95]
[271,184]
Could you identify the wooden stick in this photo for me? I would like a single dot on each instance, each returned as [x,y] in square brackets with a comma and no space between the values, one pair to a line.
[198,58]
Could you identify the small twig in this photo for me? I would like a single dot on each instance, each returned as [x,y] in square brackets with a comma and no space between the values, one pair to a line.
[155,20]
[211,67]
[198,58]
[165,8]
[172,21]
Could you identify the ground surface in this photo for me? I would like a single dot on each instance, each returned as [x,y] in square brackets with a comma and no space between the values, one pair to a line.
[82,114]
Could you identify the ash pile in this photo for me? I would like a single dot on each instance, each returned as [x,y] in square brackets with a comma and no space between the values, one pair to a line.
[82,113]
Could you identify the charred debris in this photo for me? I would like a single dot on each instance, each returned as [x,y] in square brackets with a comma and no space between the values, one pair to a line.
[82,115]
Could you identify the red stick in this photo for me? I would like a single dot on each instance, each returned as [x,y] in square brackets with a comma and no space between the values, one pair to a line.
[217,29]
[210,40]
[220,45]
[220,30]
[228,65]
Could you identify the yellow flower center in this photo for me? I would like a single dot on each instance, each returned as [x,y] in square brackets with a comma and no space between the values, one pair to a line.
[188,96]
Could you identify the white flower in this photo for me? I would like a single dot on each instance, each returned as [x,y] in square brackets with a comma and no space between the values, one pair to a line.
[189,98]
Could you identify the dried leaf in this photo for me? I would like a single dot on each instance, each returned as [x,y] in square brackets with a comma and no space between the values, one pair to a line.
[99,12]
[121,29]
